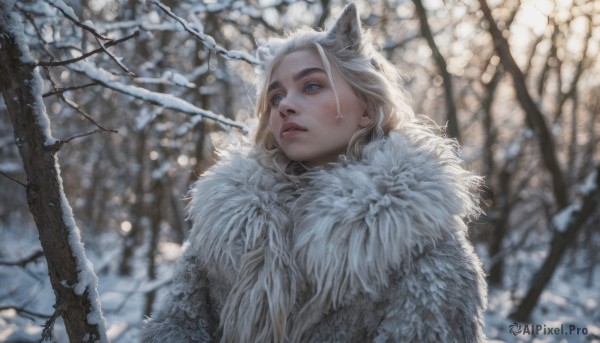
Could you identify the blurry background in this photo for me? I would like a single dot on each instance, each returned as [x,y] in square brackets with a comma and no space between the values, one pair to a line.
[526,116]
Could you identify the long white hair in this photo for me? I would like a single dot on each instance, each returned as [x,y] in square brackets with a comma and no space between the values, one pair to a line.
[348,48]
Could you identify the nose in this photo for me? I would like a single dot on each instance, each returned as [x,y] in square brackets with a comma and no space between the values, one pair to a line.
[287,107]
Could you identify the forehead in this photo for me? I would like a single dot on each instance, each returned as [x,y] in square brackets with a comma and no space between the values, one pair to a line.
[294,62]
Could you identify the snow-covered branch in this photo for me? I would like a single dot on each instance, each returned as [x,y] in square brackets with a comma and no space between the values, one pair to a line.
[207,40]
[90,53]
[69,14]
[165,100]
[564,219]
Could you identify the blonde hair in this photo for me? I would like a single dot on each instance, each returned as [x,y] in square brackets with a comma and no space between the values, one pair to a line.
[374,80]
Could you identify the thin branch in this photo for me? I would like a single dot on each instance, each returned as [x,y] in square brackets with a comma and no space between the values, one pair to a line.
[13,179]
[49,325]
[66,89]
[60,142]
[562,238]
[116,59]
[88,54]
[165,100]
[37,32]
[207,40]
[533,115]
[82,135]
[76,21]
[22,263]
[440,61]
[77,108]
[25,311]
[571,93]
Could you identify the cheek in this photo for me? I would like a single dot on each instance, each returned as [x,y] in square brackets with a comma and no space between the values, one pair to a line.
[273,123]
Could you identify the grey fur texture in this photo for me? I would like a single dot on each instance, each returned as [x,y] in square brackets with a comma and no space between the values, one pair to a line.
[364,251]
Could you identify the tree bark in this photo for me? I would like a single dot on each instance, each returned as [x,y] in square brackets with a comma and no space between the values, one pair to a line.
[21,85]
[451,115]
[155,219]
[558,246]
[534,117]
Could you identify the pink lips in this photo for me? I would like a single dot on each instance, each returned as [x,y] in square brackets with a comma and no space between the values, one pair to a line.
[291,128]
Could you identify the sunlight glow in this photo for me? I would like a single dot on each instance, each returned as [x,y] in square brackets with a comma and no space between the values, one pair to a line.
[183,160]
[126,226]
[169,251]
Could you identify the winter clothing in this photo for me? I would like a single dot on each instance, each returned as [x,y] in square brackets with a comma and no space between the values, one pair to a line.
[372,250]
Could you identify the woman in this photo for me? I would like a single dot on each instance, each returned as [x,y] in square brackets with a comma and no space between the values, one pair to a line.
[343,224]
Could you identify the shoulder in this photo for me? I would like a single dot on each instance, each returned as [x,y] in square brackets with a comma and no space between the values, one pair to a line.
[230,207]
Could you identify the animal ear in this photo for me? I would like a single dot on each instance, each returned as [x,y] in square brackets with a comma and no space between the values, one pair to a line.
[347,28]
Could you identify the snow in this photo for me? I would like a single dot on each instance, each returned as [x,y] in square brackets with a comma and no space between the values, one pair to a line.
[570,299]
[36,83]
[39,8]
[168,77]
[15,26]
[208,41]
[39,108]
[122,298]
[10,167]
[561,220]
[240,55]
[7,5]
[63,7]
[161,99]
[90,24]
[590,184]
[86,277]
[181,80]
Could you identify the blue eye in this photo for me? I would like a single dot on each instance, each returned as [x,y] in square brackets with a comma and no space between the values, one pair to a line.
[276,99]
[311,87]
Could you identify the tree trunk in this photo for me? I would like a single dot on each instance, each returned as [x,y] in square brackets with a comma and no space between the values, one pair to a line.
[533,116]
[560,242]
[155,220]
[72,278]
[451,115]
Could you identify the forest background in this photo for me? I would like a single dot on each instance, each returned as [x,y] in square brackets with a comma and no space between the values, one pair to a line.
[110,109]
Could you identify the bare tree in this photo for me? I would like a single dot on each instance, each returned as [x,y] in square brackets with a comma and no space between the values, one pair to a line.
[71,274]
[536,121]
[175,79]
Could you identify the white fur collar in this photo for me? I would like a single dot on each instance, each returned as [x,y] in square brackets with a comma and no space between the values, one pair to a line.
[340,234]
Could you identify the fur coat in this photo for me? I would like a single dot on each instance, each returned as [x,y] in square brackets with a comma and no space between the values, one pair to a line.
[373,250]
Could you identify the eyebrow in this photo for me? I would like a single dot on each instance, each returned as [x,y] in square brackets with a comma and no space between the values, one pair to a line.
[302,73]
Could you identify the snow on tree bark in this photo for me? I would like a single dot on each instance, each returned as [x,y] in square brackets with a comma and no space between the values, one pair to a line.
[71,274]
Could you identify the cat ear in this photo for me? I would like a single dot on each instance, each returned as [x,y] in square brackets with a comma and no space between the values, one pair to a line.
[347,28]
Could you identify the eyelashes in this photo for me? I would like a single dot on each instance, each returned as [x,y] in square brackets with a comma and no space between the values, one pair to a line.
[308,88]
[312,87]
[274,100]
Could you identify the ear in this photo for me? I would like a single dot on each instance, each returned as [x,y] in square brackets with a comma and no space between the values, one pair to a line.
[365,120]
[347,27]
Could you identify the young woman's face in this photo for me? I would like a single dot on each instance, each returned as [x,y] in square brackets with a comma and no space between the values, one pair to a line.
[304,116]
